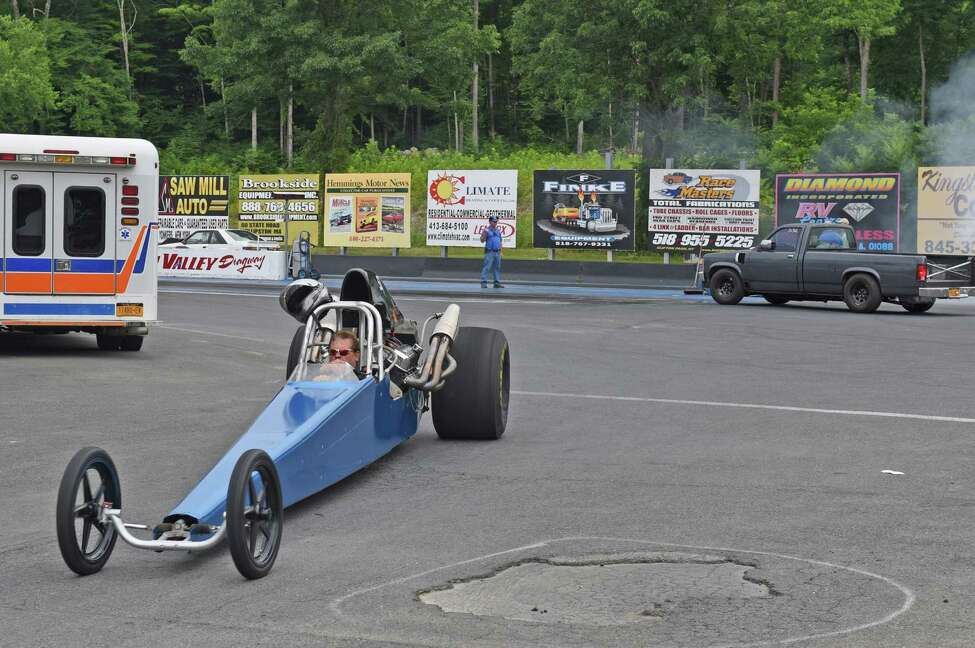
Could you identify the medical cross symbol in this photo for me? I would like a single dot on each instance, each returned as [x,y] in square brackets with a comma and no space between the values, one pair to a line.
[125,235]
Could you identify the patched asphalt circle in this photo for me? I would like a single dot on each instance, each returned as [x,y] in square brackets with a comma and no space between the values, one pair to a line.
[609,592]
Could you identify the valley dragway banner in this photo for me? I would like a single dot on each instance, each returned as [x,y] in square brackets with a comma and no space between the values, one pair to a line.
[460,202]
[265,200]
[584,209]
[225,264]
[367,209]
[946,210]
[703,209]
[869,201]
[192,202]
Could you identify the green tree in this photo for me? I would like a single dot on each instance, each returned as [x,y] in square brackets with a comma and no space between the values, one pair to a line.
[26,91]
[868,19]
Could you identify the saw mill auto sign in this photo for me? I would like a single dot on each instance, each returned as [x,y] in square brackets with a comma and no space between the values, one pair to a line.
[191,202]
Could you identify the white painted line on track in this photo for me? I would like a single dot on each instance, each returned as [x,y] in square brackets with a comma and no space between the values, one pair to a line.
[214,333]
[782,408]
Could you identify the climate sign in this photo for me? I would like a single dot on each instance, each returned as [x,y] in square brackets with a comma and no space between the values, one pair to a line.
[459,204]
[870,202]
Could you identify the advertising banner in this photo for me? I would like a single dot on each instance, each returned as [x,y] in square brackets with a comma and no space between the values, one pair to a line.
[265,200]
[869,201]
[946,210]
[460,202]
[225,264]
[192,202]
[584,209]
[703,209]
[367,209]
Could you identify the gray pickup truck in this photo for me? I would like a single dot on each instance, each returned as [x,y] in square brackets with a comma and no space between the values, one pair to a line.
[820,262]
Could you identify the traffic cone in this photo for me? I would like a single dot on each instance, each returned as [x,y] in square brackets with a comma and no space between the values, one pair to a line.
[697,285]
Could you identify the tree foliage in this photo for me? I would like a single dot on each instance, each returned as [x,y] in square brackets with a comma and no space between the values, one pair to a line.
[786,84]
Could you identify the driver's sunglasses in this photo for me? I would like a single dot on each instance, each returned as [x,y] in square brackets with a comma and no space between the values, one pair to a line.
[337,353]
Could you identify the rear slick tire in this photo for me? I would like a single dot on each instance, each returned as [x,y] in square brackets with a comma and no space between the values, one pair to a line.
[255,514]
[726,287]
[294,352]
[473,403]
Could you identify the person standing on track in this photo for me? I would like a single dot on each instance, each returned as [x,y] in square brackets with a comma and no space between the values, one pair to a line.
[491,238]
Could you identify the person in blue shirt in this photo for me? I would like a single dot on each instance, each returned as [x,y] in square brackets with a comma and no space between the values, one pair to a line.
[491,238]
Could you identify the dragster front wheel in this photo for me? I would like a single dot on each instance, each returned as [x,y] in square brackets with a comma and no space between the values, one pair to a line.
[254,514]
[89,484]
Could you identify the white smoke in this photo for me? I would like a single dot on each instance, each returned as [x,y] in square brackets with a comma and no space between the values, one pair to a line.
[951,134]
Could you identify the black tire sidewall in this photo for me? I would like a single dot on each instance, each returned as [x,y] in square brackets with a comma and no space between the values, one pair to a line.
[243,560]
[84,459]
[294,351]
[473,403]
[776,300]
[717,279]
[874,298]
[920,307]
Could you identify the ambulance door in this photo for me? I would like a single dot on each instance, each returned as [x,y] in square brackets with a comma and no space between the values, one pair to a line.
[84,234]
[28,249]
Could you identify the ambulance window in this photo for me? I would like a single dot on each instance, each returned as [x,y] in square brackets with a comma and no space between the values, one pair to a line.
[84,221]
[28,222]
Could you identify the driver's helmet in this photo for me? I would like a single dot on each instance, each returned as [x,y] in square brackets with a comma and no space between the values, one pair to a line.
[831,239]
[301,297]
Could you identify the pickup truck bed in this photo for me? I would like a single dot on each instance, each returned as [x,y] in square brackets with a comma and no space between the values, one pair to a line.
[819,262]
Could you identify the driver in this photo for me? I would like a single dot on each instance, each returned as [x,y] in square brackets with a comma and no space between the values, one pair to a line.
[344,347]
[343,362]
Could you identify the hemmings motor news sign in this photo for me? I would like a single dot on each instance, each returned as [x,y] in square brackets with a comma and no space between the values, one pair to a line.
[703,209]
[584,209]
[869,201]
[460,202]
[192,202]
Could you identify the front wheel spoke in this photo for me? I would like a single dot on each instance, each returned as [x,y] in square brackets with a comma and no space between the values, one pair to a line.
[265,531]
[86,486]
[251,491]
[85,536]
[252,538]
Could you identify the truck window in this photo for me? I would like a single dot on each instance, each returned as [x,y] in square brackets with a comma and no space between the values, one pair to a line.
[84,221]
[831,238]
[786,240]
[27,238]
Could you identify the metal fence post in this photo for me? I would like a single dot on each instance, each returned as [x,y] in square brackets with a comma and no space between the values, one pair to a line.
[443,251]
[668,164]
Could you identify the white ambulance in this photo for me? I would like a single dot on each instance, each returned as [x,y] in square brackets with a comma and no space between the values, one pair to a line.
[78,234]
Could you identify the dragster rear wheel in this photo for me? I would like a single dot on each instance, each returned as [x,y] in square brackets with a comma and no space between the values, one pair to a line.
[473,403]
[255,514]
[90,482]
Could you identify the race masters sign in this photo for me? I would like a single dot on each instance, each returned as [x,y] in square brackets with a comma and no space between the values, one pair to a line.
[460,202]
[869,201]
[583,209]
[265,200]
[946,210]
[703,209]
[192,202]
[367,209]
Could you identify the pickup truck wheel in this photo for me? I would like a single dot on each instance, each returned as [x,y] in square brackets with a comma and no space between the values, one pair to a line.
[919,306]
[726,287]
[776,300]
[861,292]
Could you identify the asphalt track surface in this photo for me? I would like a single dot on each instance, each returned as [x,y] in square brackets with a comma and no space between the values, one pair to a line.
[666,433]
